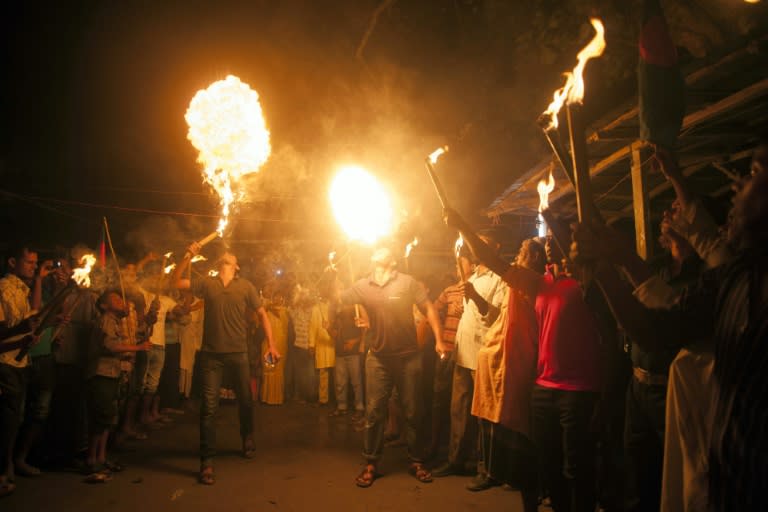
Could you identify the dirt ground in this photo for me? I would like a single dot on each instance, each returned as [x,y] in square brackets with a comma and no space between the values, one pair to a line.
[306,461]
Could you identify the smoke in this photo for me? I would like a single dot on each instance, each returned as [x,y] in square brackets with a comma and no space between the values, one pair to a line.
[162,234]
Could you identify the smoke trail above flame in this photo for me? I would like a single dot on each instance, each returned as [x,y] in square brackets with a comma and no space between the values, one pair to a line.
[227,126]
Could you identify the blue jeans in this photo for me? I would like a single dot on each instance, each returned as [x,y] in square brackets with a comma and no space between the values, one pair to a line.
[382,375]
[212,367]
[348,372]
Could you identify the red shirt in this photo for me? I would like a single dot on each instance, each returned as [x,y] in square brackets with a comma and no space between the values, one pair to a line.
[569,342]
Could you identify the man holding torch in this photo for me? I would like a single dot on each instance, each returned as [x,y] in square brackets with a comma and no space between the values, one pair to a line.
[393,358]
[227,299]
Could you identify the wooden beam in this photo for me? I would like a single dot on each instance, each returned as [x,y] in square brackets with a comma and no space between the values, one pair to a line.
[641,203]
[749,93]
[689,170]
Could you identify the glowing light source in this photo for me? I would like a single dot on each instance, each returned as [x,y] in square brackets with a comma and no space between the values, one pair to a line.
[573,90]
[227,127]
[361,205]
[410,246]
[198,257]
[544,188]
[82,275]
[457,250]
[436,154]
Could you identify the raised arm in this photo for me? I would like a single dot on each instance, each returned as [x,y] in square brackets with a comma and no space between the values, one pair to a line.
[484,252]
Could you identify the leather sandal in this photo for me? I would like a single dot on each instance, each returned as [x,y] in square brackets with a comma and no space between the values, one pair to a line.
[419,472]
[367,476]
[206,476]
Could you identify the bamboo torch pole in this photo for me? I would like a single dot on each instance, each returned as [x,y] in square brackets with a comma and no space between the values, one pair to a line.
[582,182]
[114,257]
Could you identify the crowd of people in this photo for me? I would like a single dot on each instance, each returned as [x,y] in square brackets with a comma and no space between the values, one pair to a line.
[578,374]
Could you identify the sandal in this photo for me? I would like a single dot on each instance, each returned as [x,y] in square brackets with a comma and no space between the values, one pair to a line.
[98,475]
[206,476]
[114,466]
[249,448]
[367,476]
[6,488]
[420,473]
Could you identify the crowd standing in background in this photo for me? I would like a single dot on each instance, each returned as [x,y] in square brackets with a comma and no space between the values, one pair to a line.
[513,375]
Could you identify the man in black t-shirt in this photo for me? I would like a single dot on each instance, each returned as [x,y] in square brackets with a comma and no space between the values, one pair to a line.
[227,299]
[393,357]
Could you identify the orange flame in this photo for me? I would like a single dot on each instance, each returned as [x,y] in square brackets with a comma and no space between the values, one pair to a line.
[410,246]
[227,126]
[213,273]
[545,188]
[573,90]
[198,257]
[169,268]
[361,205]
[458,245]
[436,154]
[82,275]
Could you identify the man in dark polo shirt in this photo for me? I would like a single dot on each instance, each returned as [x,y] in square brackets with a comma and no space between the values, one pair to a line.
[227,300]
[393,358]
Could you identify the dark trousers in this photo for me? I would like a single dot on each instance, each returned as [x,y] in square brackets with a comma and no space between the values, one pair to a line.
[212,368]
[68,430]
[644,445]
[12,389]
[301,378]
[464,431]
[382,375]
[561,432]
[508,457]
[40,384]
[170,396]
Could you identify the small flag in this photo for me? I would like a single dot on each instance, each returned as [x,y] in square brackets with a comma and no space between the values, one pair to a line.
[103,248]
[661,89]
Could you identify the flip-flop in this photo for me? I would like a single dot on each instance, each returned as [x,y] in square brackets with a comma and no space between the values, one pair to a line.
[98,477]
[420,473]
[114,466]
[206,476]
[367,476]
[7,488]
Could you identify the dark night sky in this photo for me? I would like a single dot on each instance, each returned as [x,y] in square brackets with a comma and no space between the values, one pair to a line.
[94,95]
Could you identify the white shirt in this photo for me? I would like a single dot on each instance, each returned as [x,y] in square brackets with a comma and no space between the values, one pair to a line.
[470,333]
[158,330]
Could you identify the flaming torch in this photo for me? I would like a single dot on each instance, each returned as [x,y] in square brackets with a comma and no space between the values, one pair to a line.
[572,94]
[430,162]
[54,307]
[457,250]
[227,127]
[544,188]
[408,249]
[361,205]
[82,275]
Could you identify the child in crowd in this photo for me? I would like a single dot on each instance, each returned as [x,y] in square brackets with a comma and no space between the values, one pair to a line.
[109,358]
